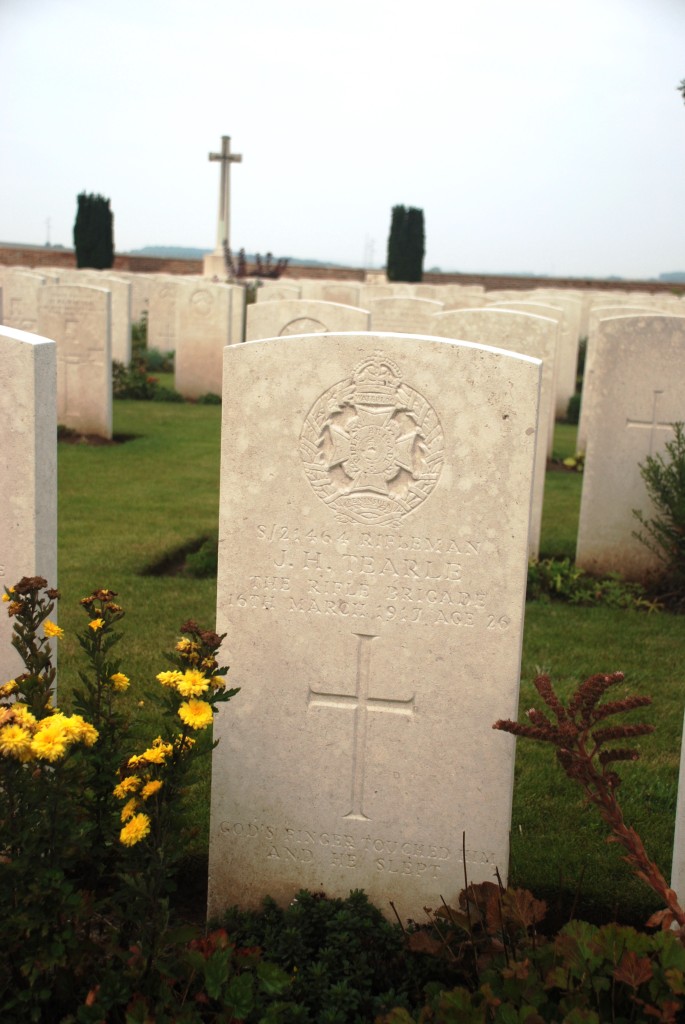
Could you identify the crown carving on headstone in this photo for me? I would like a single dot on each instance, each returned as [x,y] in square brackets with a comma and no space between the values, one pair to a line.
[376,381]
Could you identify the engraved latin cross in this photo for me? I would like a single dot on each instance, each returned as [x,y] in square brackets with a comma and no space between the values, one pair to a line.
[653,424]
[361,704]
[223,224]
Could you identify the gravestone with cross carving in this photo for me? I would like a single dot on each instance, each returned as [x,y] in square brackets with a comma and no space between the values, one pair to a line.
[375,498]
[637,390]
[78,318]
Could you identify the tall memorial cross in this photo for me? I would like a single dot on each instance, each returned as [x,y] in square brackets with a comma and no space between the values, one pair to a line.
[652,424]
[223,223]
[361,704]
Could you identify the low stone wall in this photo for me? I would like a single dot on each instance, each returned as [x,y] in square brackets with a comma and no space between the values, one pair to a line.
[37,256]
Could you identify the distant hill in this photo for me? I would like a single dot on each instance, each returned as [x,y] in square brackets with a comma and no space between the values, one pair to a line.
[674,277]
[179,252]
[169,252]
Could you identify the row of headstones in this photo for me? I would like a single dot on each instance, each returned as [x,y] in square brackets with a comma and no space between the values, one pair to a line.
[195,318]
[384,561]
[89,315]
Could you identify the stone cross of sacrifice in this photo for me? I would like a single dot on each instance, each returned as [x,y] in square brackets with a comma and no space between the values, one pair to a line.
[223,223]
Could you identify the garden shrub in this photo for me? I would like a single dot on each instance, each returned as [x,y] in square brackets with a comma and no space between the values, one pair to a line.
[560,579]
[664,532]
[92,834]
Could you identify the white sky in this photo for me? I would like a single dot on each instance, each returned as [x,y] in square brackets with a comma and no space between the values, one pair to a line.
[543,136]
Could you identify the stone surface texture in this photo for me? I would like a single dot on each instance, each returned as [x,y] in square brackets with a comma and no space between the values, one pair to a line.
[204,314]
[636,392]
[78,318]
[403,315]
[302,316]
[529,335]
[374,512]
[28,471]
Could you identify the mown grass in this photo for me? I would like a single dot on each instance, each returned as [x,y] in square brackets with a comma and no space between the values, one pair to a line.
[123,507]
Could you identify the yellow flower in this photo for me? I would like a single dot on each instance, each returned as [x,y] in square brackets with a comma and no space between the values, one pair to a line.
[136,829]
[128,785]
[82,730]
[5,597]
[129,808]
[120,682]
[184,644]
[8,688]
[192,683]
[96,624]
[150,788]
[196,713]
[51,740]
[169,678]
[52,629]
[15,741]
[156,754]
[23,716]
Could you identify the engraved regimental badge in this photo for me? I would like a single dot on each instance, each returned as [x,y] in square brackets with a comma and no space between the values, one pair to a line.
[372,446]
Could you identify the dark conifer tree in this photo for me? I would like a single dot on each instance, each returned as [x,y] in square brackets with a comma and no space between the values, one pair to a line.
[94,232]
[406,244]
[395,266]
[415,244]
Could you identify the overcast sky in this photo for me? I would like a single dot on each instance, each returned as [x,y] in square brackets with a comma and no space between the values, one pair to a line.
[543,136]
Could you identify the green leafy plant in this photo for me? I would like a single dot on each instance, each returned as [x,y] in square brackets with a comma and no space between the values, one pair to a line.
[664,532]
[92,833]
[560,579]
[584,975]
[132,381]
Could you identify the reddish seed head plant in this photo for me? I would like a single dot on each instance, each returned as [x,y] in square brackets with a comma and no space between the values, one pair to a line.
[585,750]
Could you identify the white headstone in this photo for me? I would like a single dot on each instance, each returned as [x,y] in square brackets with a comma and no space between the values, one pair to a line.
[302,316]
[344,292]
[203,313]
[161,322]
[78,317]
[20,299]
[403,315]
[375,496]
[531,336]
[275,291]
[636,392]
[28,471]
[596,314]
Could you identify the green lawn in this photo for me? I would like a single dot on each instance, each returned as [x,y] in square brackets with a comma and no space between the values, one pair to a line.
[124,507]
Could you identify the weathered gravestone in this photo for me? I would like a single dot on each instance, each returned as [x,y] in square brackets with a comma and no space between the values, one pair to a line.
[567,350]
[407,315]
[375,495]
[636,392]
[531,336]
[204,314]
[162,320]
[284,317]
[20,299]
[596,314]
[78,317]
[272,291]
[28,471]
[344,292]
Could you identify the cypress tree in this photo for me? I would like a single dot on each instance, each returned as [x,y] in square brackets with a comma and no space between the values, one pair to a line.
[94,232]
[406,244]
[416,244]
[396,244]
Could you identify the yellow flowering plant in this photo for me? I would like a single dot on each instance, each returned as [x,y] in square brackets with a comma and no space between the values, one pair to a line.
[91,830]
